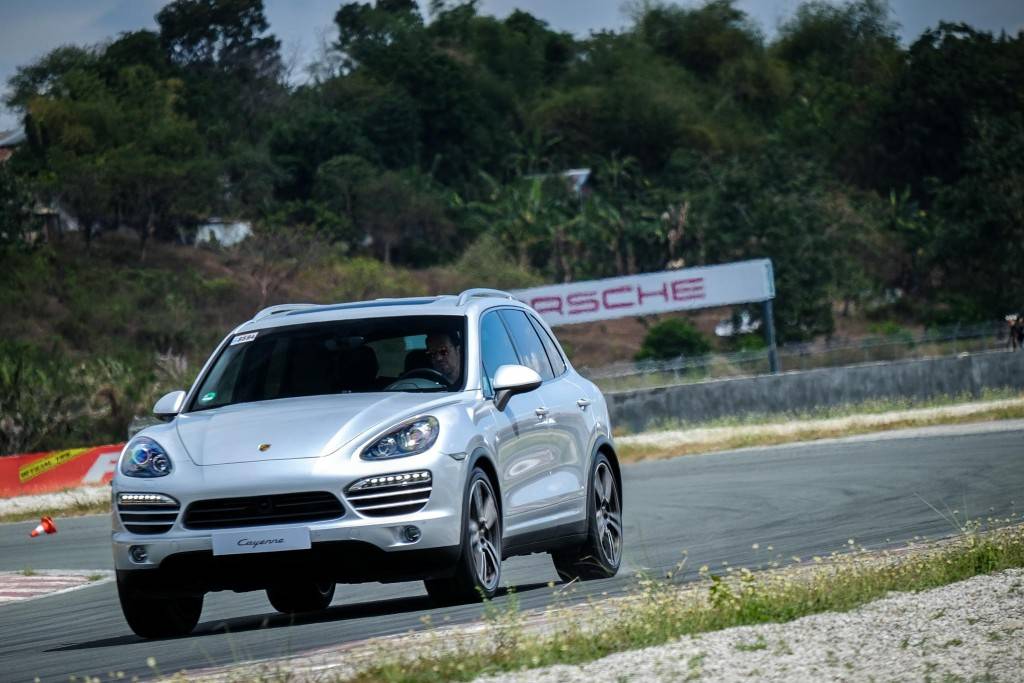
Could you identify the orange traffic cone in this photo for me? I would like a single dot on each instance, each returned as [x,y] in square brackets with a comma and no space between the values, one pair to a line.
[45,525]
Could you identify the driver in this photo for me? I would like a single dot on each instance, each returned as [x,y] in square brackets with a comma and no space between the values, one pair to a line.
[444,354]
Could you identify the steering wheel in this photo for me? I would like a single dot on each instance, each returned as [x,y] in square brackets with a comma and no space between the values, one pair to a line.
[425,373]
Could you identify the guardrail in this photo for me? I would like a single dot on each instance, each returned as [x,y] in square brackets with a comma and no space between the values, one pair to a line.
[949,341]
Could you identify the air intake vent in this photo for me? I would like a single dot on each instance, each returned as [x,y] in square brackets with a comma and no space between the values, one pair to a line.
[147,513]
[392,494]
[286,508]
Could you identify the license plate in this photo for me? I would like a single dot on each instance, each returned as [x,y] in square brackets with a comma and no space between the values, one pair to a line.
[261,541]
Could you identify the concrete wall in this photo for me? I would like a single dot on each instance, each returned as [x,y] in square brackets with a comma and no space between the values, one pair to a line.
[635,410]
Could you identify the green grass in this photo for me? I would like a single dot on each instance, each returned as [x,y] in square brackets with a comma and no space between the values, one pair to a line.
[659,610]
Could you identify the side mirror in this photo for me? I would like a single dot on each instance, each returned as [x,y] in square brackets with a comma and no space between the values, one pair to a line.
[510,380]
[170,405]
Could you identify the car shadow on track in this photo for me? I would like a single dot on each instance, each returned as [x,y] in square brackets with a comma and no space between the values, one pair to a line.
[362,610]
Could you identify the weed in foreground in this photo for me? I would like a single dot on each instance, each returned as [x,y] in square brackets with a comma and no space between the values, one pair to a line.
[659,611]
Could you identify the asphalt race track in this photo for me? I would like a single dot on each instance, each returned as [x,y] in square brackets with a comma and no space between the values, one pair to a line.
[803,500]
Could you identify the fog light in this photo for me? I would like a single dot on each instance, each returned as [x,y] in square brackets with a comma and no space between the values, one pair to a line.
[411,533]
[138,553]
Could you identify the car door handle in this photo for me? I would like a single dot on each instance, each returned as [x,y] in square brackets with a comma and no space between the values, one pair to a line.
[541,413]
[583,403]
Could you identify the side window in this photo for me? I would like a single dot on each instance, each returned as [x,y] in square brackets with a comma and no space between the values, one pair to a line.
[495,347]
[531,351]
[557,364]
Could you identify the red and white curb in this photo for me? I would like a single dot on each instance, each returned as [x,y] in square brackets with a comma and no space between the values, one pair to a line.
[28,585]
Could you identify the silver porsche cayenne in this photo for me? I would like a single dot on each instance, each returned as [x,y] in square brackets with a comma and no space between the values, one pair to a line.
[388,440]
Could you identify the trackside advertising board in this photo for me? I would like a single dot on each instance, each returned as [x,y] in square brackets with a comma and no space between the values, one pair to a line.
[649,293]
[57,470]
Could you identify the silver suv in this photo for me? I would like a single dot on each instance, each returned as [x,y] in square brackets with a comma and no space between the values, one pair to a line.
[388,440]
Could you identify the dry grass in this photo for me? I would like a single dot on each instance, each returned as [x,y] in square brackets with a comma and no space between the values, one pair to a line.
[74,509]
[676,443]
[657,610]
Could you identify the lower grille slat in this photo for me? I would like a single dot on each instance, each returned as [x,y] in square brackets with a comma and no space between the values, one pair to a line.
[225,513]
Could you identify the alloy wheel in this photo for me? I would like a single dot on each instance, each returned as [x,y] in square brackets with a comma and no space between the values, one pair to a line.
[608,514]
[484,534]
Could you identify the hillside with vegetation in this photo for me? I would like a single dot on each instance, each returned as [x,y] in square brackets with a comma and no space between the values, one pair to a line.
[422,154]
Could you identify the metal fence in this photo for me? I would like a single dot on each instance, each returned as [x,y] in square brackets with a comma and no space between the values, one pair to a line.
[833,353]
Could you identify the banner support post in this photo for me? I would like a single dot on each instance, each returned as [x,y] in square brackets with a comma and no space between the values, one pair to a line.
[769,336]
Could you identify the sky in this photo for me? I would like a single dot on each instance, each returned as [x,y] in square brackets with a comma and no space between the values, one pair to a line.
[31,28]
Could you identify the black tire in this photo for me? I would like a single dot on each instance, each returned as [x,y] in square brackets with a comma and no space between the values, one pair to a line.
[601,554]
[309,596]
[478,569]
[159,617]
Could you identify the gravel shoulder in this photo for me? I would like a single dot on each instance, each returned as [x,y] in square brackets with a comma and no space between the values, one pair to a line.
[971,630]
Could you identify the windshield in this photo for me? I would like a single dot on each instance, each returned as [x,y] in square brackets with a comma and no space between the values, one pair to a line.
[409,353]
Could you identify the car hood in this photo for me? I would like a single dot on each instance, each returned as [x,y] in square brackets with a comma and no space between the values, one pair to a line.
[305,427]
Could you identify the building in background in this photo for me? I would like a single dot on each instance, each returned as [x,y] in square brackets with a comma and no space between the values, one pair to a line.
[10,140]
[224,232]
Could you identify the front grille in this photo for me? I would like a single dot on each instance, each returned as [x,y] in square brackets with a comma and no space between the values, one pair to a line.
[313,506]
[148,519]
[379,497]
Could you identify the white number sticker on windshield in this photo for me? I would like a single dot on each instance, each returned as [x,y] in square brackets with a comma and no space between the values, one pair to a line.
[242,338]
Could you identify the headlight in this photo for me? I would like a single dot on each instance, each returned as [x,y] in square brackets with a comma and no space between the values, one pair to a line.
[145,458]
[409,439]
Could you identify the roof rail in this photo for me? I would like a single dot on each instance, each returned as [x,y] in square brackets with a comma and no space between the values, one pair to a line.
[478,292]
[280,308]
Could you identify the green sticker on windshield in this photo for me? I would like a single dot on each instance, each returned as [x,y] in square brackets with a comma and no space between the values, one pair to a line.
[208,397]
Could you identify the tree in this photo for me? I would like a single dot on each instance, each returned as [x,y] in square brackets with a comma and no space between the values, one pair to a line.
[855,42]
[781,206]
[954,76]
[367,32]
[17,220]
[339,182]
[119,153]
[516,213]
[275,253]
[701,39]
[404,218]
[228,34]
[979,246]
[310,135]
[672,338]
[232,66]
[135,48]
[846,61]
[47,75]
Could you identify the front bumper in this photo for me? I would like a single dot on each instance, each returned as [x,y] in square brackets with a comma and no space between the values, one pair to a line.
[193,573]
[353,547]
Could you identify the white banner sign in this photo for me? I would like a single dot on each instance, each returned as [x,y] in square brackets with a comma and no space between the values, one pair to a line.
[649,293]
